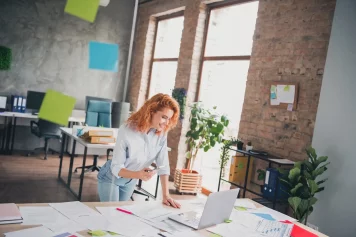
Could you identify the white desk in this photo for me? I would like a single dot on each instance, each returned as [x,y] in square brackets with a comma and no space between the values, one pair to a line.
[9,133]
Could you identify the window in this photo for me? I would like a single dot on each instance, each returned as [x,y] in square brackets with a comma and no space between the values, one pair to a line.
[226,60]
[165,54]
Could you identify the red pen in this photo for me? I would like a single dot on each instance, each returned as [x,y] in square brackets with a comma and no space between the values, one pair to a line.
[122,210]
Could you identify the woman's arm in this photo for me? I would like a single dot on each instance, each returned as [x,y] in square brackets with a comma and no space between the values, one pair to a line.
[167,200]
[144,174]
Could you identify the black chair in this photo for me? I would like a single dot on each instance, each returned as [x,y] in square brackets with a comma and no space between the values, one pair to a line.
[138,186]
[47,130]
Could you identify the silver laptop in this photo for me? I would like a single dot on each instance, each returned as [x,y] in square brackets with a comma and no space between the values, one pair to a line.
[217,209]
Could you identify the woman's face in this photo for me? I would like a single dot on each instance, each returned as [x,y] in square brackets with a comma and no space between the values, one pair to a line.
[161,118]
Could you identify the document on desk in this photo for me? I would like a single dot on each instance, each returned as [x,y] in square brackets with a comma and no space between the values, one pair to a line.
[275,214]
[245,203]
[233,229]
[149,210]
[40,215]
[274,228]
[31,232]
[93,222]
[73,210]
[68,226]
[126,224]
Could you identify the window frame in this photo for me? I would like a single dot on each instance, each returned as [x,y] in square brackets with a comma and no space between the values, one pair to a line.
[204,58]
[158,19]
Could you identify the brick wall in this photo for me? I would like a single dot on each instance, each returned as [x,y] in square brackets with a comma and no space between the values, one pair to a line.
[290,44]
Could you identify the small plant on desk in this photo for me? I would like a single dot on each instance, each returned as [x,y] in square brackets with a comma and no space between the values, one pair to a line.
[303,184]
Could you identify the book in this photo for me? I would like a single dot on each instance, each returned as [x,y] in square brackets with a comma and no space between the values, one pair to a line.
[101,133]
[102,140]
[9,214]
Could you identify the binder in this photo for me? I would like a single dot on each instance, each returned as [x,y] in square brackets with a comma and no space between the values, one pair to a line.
[23,107]
[19,104]
[14,103]
[270,185]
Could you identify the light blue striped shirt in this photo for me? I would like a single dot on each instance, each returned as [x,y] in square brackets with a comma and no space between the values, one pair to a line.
[136,150]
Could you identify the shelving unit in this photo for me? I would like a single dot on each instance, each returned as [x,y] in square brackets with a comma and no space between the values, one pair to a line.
[270,160]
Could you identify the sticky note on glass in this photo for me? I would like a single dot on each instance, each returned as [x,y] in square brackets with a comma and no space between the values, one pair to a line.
[103,56]
[273,95]
[56,107]
[286,88]
[290,107]
[84,9]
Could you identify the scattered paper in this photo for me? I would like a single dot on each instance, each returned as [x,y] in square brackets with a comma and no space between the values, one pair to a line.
[84,9]
[233,230]
[103,56]
[40,215]
[66,234]
[68,225]
[93,222]
[73,210]
[31,232]
[185,234]
[275,214]
[240,202]
[274,228]
[264,216]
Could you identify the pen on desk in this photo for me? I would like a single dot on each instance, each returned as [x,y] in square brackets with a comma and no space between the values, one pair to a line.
[122,210]
[161,235]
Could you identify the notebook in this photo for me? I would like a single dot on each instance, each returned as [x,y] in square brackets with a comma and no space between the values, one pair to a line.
[10,214]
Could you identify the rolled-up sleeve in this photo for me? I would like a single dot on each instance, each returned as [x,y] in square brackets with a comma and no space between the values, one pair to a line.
[162,159]
[120,153]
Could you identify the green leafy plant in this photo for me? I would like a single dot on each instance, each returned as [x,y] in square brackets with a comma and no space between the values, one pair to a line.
[303,183]
[180,95]
[5,58]
[261,174]
[206,130]
[224,155]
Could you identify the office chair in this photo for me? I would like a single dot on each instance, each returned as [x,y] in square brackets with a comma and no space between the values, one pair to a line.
[47,130]
[98,114]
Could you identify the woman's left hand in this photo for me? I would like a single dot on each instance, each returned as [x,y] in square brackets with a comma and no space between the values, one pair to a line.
[167,200]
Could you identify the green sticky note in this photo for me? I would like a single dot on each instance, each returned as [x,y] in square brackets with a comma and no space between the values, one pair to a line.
[227,221]
[97,233]
[84,9]
[112,233]
[56,107]
[286,88]
[215,235]
[240,208]
[273,88]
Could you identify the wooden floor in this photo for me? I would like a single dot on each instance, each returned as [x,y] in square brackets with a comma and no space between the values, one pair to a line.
[34,180]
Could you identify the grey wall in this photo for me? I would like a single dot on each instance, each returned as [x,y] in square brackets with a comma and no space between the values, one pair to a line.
[50,51]
[50,48]
[335,128]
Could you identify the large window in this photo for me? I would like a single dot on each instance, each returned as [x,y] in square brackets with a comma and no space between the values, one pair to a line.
[165,54]
[226,60]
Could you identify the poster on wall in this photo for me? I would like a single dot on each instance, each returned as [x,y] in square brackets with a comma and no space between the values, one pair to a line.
[284,95]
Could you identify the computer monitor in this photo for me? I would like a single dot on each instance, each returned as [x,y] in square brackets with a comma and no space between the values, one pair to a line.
[34,100]
[87,98]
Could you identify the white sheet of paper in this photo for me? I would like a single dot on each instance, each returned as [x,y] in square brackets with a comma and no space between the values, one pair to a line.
[244,203]
[31,232]
[275,101]
[3,102]
[65,226]
[93,222]
[39,215]
[149,210]
[274,228]
[126,224]
[166,224]
[69,234]
[231,230]
[185,234]
[73,210]
[285,96]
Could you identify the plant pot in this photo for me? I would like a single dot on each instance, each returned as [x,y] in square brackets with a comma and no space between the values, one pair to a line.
[187,182]
[248,148]
[240,145]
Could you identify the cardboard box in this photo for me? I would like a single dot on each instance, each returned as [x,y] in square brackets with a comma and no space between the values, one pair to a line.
[102,140]
[101,133]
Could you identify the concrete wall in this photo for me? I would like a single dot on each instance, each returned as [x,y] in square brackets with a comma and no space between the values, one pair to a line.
[50,51]
[335,129]
[50,48]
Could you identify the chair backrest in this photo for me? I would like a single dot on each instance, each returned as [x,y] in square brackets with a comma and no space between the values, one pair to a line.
[48,128]
[98,113]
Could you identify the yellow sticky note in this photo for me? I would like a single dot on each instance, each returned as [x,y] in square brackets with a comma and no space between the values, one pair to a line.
[286,88]
[240,208]
[84,9]
[56,107]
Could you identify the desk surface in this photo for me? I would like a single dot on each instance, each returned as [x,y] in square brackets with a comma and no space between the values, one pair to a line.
[32,116]
[14,227]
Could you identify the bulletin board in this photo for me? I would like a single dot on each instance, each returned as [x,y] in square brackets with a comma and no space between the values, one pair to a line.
[284,95]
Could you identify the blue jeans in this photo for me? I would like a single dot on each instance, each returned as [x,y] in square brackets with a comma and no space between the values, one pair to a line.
[111,192]
[112,188]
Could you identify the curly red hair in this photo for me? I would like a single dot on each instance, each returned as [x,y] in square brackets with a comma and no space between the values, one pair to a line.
[141,120]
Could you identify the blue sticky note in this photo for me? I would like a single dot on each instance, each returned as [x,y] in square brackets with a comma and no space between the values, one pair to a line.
[265,216]
[103,56]
[273,95]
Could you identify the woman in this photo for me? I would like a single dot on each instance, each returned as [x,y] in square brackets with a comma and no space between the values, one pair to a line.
[140,142]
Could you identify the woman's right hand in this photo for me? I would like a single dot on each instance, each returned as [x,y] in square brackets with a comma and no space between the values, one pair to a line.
[145,174]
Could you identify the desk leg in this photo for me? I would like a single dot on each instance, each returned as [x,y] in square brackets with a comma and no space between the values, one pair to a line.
[8,136]
[13,135]
[64,136]
[82,174]
[4,135]
[246,176]
[71,163]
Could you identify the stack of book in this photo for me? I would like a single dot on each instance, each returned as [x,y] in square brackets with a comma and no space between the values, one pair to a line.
[10,214]
[99,136]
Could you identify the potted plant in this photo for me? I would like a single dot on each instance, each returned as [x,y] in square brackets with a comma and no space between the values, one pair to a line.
[261,176]
[224,155]
[206,130]
[249,146]
[303,183]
